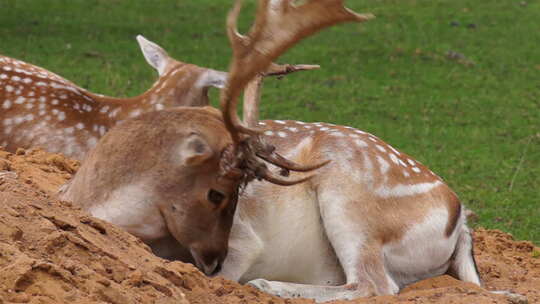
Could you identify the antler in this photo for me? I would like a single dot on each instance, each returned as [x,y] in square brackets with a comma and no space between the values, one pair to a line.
[279,24]
[252,93]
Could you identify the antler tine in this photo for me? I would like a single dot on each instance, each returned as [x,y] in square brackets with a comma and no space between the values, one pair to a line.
[278,25]
[283,69]
[269,176]
[280,161]
[252,93]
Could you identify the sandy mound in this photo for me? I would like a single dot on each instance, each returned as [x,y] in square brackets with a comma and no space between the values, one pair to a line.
[53,252]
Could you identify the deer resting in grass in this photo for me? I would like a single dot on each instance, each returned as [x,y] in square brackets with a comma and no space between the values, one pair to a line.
[40,108]
[172,176]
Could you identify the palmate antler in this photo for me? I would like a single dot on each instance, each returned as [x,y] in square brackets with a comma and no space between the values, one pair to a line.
[279,24]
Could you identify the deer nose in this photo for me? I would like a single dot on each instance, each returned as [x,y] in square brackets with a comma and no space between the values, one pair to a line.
[209,262]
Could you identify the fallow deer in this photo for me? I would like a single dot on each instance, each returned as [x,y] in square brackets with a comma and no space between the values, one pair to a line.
[40,108]
[173,175]
[370,222]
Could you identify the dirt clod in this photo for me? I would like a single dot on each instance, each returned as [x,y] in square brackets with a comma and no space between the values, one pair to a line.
[53,252]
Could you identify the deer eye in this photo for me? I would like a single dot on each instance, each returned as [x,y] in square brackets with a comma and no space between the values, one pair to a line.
[215,197]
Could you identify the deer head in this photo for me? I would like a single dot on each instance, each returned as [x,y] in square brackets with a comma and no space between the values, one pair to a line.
[178,172]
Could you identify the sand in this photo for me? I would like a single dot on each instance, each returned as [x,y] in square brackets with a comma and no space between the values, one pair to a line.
[53,252]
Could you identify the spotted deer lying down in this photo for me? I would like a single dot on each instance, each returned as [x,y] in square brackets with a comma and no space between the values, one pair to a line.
[40,108]
[172,176]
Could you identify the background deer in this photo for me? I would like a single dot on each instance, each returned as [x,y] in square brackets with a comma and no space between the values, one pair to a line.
[40,108]
[172,176]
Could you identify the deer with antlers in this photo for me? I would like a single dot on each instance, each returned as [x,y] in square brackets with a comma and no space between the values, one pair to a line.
[40,108]
[174,175]
[370,222]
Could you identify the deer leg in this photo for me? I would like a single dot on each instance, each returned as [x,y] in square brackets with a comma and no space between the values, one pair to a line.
[360,256]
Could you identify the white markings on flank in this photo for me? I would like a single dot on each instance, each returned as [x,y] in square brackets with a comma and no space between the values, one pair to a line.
[406,190]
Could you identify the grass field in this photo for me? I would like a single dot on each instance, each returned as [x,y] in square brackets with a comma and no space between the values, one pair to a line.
[454,83]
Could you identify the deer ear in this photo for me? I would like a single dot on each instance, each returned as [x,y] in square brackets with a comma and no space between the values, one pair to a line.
[195,151]
[154,54]
[213,78]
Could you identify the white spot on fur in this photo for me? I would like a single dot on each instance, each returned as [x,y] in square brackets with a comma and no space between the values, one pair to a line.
[402,163]
[79,126]
[9,88]
[61,116]
[104,109]
[20,100]
[3,76]
[27,80]
[360,143]
[86,107]
[15,78]
[380,148]
[373,139]
[69,130]
[159,107]
[395,151]
[360,132]
[411,162]
[41,84]
[29,117]
[324,129]
[384,165]
[292,129]
[31,94]
[281,122]
[406,174]
[7,104]
[415,169]
[7,68]
[337,134]
[135,113]
[262,123]
[282,134]
[268,133]
[394,158]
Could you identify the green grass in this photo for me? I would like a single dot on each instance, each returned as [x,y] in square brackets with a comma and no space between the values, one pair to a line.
[475,120]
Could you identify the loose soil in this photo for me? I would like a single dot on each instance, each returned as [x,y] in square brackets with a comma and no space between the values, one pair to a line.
[53,252]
